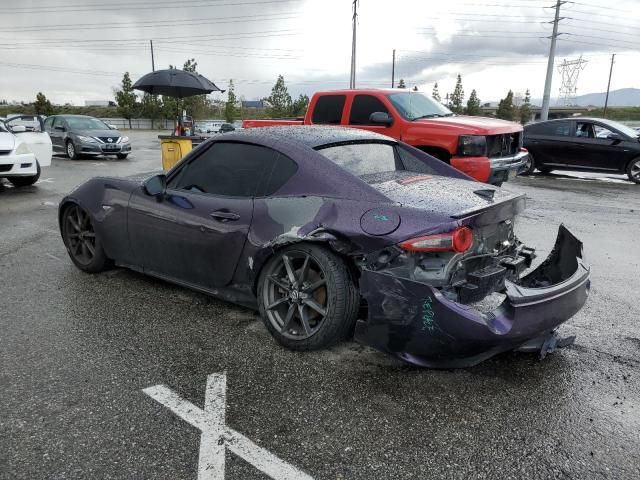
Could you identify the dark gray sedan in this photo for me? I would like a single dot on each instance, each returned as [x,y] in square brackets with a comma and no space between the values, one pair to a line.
[79,135]
[583,144]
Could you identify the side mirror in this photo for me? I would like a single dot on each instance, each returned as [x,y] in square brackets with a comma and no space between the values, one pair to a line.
[59,128]
[380,118]
[112,127]
[614,136]
[156,185]
[19,129]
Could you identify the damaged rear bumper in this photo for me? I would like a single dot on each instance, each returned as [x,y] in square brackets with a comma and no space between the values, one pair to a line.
[416,323]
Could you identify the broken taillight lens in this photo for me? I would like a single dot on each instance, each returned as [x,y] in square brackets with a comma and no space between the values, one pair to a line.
[459,241]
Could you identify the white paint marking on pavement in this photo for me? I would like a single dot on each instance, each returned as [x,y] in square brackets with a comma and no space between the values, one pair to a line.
[45,180]
[216,436]
[54,257]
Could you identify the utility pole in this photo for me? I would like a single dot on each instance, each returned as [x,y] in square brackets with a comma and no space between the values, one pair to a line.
[544,114]
[606,100]
[393,68]
[352,80]
[153,64]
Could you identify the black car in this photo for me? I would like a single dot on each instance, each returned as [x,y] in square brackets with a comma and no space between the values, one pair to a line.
[77,135]
[586,144]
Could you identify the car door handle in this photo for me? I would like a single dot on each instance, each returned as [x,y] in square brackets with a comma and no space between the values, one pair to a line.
[224,216]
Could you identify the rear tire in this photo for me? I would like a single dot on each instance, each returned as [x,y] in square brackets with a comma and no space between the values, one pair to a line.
[307,297]
[633,170]
[26,181]
[529,166]
[83,243]
[71,151]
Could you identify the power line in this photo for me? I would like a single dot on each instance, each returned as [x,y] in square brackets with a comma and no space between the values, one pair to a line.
[151,24]
[135,6]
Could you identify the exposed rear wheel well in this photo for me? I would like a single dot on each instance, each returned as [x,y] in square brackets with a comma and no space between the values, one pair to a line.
[438,152]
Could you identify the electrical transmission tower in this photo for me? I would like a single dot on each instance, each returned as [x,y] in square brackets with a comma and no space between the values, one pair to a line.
[570,71]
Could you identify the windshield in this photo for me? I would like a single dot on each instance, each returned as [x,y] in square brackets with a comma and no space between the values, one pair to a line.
[414,105]
[622,128]
[86,123]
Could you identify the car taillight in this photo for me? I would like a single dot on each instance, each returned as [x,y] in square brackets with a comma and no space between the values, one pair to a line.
[459,241]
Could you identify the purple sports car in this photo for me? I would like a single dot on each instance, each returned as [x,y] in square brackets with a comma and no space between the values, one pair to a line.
[332,232]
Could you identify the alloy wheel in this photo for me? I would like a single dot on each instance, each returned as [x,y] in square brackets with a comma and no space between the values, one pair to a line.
[295,295]
[71,150]
[79,234]
[635,170]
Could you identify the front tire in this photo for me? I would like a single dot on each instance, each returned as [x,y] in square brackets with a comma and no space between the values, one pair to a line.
[633,170]
[122,156]
[72,153]
[26,181]
[307,297]
[83,244]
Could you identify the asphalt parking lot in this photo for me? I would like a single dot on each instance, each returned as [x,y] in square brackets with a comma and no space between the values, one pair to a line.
[77,350]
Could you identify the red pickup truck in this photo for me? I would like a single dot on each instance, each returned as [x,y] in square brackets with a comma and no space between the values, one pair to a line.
[487,149]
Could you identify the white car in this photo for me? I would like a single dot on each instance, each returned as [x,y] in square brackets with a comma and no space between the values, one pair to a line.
[22,152]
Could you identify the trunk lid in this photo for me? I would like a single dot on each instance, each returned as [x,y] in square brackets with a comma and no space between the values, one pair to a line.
[448,196]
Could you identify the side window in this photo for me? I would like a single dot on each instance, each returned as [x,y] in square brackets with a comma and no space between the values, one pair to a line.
[585,130]
[48,123]
[225,169]
[552,129]
[601,132]
[328,109]
[362,108]
[57,122]
[283,169]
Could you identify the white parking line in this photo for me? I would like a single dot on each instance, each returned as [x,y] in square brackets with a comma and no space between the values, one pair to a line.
[216,436]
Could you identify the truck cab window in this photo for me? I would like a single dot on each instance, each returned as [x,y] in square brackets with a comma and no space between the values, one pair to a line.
[328,110]
[362,108]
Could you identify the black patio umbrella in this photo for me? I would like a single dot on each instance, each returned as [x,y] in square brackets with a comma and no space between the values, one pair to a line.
[175,83]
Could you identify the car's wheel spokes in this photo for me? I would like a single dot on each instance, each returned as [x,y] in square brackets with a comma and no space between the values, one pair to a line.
[635,170]
[80,236]
[295,296]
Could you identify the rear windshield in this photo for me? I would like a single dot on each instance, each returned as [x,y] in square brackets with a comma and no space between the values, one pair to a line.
[368,158]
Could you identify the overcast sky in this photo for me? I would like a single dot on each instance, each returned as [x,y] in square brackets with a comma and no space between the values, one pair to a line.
[77,50]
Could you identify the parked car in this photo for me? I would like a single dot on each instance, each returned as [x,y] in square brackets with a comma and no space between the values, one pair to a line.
[80,135]
[583,144]
[329,229]
[226,127]
[23,153]
[487,149]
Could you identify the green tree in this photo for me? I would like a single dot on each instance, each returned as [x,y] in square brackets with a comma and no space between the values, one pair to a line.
[230,106]
[42,105]
[151,107]
[505,107]
[525,108]
[299,106]
[473,104]
[401,83]
[126,99]
[436,94]
[190,65]
[457,97]
[279,100]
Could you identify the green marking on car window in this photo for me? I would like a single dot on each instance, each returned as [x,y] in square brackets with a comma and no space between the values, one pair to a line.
[381,218]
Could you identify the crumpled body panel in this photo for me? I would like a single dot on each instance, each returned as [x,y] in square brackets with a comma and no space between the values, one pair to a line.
[416,323]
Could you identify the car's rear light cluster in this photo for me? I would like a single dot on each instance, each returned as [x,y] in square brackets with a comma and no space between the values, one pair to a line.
[459,241]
